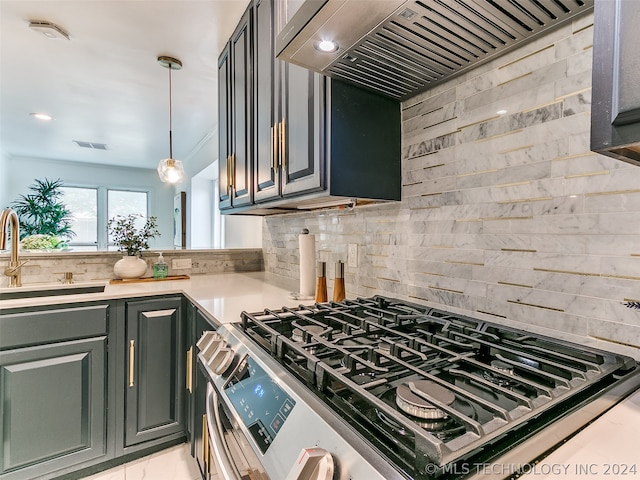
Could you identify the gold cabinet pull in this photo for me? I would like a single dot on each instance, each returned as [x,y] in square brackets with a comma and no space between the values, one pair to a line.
[274,146]
[229,174]
[233,170]
[205,443]
[132,352]
[283,150]
[190,369]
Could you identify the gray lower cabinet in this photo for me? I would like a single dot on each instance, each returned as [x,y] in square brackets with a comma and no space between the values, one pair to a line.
[154,370]
[85,386]
[53,386]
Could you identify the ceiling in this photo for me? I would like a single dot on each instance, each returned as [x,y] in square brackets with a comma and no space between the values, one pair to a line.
[104,85]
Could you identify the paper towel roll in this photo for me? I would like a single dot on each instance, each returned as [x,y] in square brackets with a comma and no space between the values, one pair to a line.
[307,247]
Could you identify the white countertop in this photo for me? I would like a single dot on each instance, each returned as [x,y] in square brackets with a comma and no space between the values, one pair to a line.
[606,449]
[222,296]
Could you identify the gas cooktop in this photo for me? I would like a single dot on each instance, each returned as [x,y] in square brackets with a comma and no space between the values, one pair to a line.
[431,390]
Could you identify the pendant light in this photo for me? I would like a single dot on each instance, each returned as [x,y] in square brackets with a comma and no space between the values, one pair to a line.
[170,170]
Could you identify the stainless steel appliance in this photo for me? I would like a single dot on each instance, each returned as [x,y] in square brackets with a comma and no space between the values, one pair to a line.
[264,425]
[400,48]
[381,388]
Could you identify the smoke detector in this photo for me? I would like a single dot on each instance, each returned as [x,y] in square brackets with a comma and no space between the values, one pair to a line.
[48,29]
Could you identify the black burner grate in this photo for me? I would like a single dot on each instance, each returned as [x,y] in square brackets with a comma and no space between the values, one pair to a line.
[355,354]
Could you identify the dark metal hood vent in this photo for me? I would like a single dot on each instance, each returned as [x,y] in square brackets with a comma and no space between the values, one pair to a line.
[399,48]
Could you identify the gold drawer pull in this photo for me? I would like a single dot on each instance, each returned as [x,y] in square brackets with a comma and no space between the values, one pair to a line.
[190,369]
[132,352]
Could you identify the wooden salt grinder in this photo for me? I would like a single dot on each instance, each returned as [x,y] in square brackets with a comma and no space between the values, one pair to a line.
[321,284]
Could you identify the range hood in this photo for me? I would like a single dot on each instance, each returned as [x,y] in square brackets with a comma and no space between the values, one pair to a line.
[400,48]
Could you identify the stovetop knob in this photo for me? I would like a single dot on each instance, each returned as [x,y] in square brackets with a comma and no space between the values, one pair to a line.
[312,464]
[220,360]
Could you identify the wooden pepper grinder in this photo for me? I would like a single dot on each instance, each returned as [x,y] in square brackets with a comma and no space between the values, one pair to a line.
[338,283]
[321,284]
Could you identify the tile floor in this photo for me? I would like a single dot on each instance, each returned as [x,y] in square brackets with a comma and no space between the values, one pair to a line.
[175,463]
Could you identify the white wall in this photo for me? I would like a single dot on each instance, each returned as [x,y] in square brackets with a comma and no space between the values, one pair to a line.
[18,173]
[202,209]
[242,231]
[4,179]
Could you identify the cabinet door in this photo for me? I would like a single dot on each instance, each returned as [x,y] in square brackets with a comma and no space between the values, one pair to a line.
[224,131]
[53,406]
[155,375]
[286,10]
[267,178]
[189,372]
[302,129]
[615,116]
[241,115]
[235,118]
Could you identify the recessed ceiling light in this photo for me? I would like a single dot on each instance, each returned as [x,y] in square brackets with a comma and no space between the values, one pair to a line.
[326,46]
[501,112]
[41,116]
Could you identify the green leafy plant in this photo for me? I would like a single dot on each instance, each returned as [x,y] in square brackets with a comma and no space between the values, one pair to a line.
[128,237]
[42,241]
[42,212]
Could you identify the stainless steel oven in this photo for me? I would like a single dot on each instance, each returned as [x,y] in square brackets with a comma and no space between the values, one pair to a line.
[379,388]
[263,425]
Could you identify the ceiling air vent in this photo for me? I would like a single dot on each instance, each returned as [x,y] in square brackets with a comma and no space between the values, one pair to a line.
[48,29]
[95,146]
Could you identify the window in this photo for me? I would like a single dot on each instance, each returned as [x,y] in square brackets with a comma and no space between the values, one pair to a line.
[123,203]
[83,204]
[91,208]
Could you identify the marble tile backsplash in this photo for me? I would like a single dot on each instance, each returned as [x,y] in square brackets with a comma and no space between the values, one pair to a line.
[504,216]
[89,266]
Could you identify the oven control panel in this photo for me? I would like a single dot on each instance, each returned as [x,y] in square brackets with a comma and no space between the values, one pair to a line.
[260,402]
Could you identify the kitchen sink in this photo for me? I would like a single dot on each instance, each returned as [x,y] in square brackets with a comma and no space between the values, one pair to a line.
[50,290]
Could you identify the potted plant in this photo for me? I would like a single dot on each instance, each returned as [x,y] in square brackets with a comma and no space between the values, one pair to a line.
[131,241]
[45,221]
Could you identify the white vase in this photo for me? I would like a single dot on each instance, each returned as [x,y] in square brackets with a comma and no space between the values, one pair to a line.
[130,266]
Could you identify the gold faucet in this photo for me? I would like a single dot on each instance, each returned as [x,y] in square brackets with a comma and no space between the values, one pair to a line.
[14,270]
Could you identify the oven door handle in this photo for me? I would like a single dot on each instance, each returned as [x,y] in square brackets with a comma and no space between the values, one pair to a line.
[228,469]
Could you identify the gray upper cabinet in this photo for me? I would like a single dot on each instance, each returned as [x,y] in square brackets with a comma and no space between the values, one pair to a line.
[266,114]
[154,370]
[301,130]
[287,117]
[615,113]
[53,385]
[234,117]
[299,157]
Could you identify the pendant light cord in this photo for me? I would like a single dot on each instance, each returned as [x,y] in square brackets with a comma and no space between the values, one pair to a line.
[170,116]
